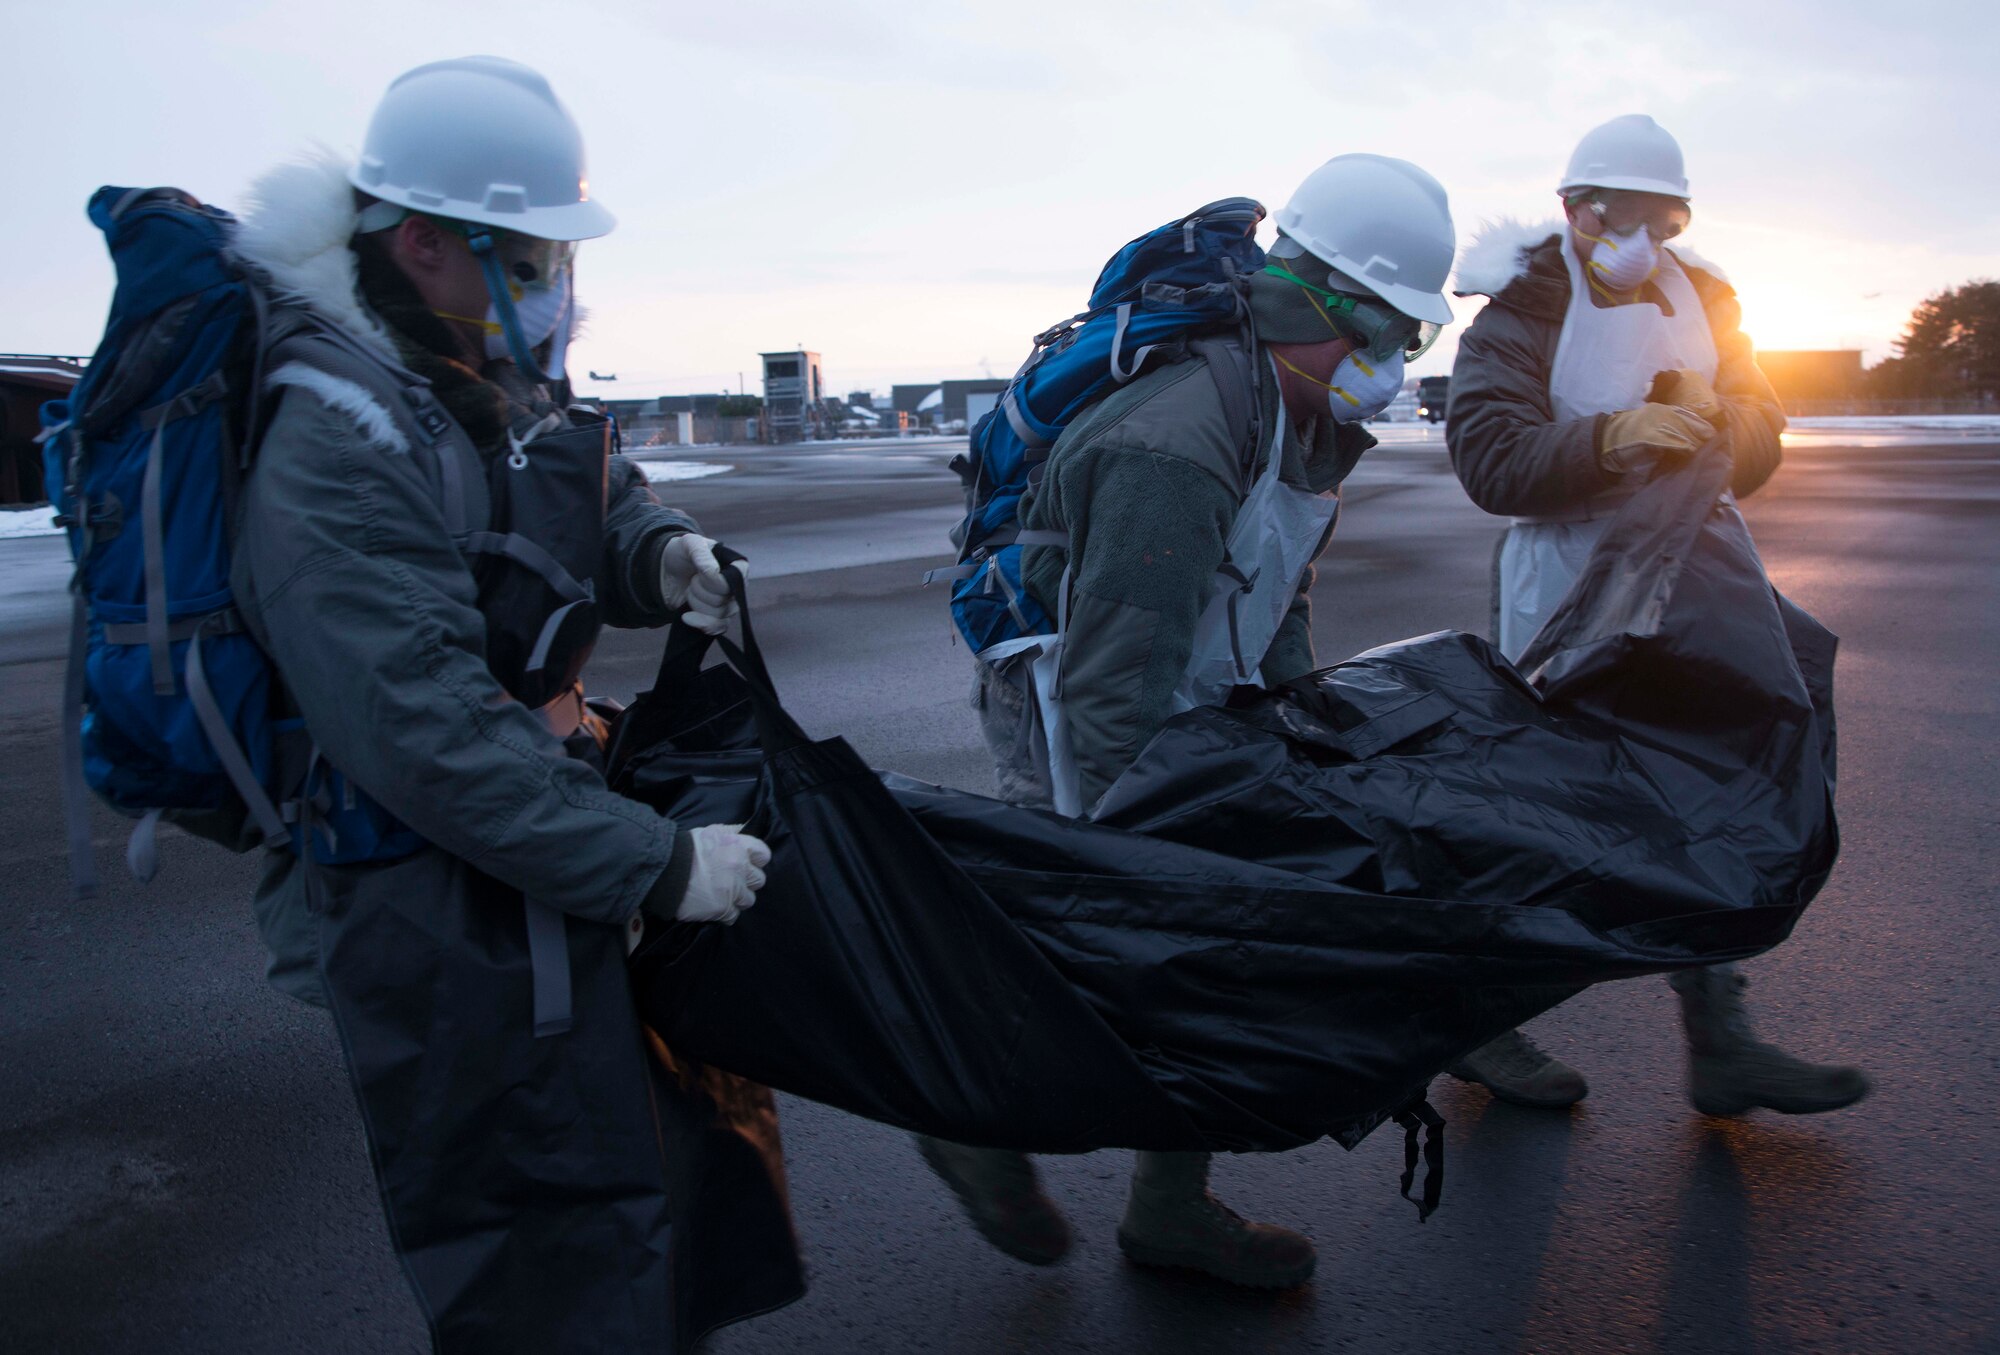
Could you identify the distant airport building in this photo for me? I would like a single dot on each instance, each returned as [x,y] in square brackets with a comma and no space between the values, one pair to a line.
[794,396]
[948,405]
[966,402]
[910,399]
[1801,375]
[680,421]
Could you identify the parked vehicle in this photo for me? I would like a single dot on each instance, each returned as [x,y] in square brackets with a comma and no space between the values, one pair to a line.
[1432,394]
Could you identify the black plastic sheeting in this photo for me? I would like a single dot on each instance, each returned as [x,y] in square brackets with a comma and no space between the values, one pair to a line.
[1292,912]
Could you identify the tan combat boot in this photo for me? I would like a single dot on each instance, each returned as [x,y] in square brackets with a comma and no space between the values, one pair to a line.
[1171,1219]
[1003,1198]
[1514,1069]
[1730,1070]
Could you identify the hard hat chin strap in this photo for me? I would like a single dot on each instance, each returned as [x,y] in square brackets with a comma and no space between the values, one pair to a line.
[498,290]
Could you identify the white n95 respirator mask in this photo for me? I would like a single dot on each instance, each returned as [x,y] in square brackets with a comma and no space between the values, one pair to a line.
[1623,263]
[1362,387]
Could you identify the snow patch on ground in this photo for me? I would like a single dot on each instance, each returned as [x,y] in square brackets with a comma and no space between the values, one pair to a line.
[660,472]
[1408,434]
[1881,423]
[17,523]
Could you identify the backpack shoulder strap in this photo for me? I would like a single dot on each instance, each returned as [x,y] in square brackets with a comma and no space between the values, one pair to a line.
[403,395]
[1234,371]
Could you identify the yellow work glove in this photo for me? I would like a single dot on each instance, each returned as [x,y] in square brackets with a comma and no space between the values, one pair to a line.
[1691,390]
[1637,439]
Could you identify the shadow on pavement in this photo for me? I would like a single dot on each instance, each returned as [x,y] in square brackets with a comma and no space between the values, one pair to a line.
[1748,1182]
[1511,1166]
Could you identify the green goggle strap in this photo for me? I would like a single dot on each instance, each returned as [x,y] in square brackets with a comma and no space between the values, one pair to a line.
[1350,310]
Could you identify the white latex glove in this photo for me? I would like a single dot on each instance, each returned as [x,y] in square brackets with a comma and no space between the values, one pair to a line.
[728,871]
[691,579]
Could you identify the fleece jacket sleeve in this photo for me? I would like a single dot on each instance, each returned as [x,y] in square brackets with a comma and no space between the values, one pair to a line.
[1147,533]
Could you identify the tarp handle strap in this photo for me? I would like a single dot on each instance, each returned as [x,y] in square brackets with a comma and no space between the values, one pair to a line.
[680,661]
[776,730]
[1419,1114]
[548,964]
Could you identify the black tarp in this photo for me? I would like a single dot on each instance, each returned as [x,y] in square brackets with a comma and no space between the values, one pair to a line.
[1292,912]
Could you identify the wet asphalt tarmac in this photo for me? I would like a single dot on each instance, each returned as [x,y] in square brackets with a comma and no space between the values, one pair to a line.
[182,1168]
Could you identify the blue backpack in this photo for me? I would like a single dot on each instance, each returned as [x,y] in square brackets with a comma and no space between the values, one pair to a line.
[170,705]
[1152,303]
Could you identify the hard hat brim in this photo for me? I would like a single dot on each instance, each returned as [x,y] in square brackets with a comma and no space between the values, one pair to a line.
[569,221]
[1630,184]
[1416,303]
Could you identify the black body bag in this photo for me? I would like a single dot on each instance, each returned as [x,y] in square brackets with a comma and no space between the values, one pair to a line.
[1290,914]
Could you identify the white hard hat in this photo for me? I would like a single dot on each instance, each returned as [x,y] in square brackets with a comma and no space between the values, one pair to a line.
[1631,152]
[1384,223]
[481,138]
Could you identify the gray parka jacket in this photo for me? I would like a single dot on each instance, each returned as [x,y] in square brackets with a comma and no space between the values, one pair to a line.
[346,574]
[1512,455]
[1147,484]
[547,1186]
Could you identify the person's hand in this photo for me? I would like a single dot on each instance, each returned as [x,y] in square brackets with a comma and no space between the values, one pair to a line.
[728,871]
[1691,390]
[691,579]
[1637,439]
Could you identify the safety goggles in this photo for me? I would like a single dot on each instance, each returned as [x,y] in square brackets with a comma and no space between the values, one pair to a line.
[1621,213]
[525,259]
[1370,324]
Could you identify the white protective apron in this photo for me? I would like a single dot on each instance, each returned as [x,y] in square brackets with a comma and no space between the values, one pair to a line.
[1605,362]
[1276,536]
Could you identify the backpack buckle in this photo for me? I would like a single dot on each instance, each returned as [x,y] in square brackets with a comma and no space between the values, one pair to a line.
[432,419]
[109,520]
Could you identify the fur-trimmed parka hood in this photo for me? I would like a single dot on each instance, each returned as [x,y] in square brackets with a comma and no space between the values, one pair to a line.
[1519,264]
[296,229]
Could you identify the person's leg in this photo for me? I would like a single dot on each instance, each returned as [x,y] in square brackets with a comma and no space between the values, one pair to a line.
[1514,1068]
[1730,1070]
[999,1190]
[1002,1197]
[1172,1219]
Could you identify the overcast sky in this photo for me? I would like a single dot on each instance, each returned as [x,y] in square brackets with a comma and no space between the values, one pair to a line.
[916,189]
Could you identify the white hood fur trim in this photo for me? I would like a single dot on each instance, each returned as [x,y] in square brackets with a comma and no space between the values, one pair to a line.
[1688,256]
[378,428]
[296,229]
[1499,253]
